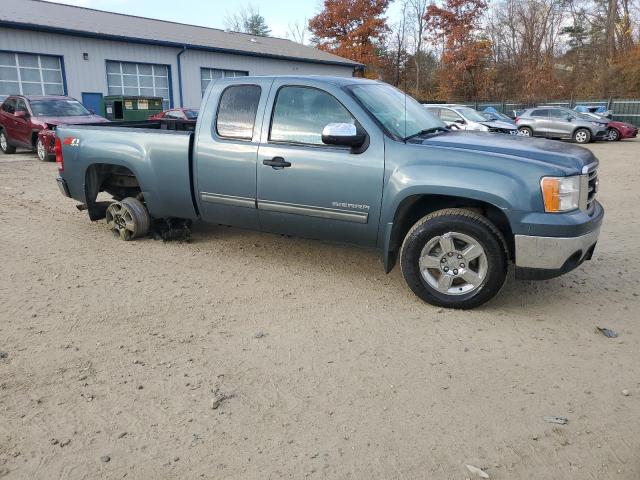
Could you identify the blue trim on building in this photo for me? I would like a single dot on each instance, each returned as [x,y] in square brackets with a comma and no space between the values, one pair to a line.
[163,43]
[184,49]
[65,91]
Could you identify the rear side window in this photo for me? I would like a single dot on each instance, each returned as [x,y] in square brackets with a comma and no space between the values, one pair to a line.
[237,111]
[301,113]
[540,113]
[9,105]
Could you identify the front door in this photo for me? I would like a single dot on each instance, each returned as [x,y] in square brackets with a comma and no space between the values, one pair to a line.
[559,123]
[93,102]
[307,188]
[22,124]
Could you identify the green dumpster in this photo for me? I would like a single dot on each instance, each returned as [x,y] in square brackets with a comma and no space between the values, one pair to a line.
[126,108]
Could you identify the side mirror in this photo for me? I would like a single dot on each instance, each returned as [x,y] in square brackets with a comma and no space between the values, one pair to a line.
[460,121]
[343,134]
[569,119]
[21,114]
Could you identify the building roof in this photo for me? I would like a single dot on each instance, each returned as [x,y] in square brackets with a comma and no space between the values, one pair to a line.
[54,17]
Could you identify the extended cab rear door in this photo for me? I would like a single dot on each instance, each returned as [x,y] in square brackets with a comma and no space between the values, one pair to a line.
[225,151]
[323,191]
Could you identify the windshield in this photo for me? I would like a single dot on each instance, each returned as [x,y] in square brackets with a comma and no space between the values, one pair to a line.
[191,114]
[58,107]
[400,114]
[470,114]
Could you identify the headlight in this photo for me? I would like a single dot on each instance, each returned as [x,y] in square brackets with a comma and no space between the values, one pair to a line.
[598,124]
[482,128]
[560,194]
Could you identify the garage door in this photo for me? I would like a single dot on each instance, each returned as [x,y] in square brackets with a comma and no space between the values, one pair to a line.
[30,74]
[147,80]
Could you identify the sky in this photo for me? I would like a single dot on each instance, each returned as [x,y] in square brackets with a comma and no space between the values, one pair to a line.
[279,14]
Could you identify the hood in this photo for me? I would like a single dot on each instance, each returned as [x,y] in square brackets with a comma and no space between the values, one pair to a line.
[553,152]
[499,124]
[71,120]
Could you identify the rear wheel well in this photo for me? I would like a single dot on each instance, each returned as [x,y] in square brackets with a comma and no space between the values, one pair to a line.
[116,180]
[414,207]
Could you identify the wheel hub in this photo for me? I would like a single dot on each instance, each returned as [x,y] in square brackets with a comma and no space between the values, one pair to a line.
[453,263]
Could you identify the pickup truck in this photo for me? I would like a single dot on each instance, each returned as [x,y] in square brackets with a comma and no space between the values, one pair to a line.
[355,161]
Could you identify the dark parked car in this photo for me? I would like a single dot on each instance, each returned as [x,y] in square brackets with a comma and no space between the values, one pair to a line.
[617,130]
[177,113]
[30,121]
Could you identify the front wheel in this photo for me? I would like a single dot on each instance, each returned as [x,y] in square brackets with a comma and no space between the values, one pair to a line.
[4,144]
[128,219]
[613,135]
[43,156]
[582,135]
[525,132]
[454,258]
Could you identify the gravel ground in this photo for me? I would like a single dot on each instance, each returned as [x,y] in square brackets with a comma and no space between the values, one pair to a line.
[244,355]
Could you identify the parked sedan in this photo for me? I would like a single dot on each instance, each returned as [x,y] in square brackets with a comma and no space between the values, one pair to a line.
[466,118]
[617,130]
[30,121]
[177,113]
[563,123]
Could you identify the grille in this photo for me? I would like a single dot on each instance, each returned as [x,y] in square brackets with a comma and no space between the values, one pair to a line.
[592,184]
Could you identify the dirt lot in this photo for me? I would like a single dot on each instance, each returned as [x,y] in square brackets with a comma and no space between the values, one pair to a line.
[327,367]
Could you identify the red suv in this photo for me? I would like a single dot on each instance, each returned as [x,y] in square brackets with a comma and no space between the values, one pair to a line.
[30,121]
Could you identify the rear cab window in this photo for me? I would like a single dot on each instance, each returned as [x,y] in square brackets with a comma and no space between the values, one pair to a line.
[237,112]
[301,113]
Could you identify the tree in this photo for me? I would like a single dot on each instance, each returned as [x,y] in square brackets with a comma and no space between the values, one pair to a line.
[298,31]
[417,12]
[466,54]
[351,28]
[248,20]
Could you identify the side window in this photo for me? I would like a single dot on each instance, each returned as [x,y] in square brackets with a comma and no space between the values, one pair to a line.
[173,114]
[540,113]
[434,111]
[21,106]
[9,106]
[237,111]
[301,113]
[449,115]
[557,113]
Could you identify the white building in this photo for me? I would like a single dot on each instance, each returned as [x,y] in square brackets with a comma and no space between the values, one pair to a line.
[48,48]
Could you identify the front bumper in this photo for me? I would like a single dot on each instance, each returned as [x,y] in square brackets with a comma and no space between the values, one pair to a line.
[542,257]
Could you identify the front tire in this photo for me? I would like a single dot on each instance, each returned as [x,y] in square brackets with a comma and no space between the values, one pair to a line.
[454,258]
[582,136]
[613,135]
[4,144]
[41,151]
[525,132]
[128,219]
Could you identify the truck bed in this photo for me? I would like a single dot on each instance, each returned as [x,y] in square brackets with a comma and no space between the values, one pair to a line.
[158,156]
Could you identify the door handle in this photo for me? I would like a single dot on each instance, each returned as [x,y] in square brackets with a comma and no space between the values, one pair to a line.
[277,162]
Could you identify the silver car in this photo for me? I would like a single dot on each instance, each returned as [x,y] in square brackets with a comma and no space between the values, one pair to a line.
[466,118]
[559,122]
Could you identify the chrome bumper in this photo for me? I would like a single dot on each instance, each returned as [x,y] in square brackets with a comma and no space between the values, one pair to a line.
[551,253]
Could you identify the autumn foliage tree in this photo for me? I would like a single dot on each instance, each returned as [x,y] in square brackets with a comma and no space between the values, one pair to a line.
[351,28]
[465,54]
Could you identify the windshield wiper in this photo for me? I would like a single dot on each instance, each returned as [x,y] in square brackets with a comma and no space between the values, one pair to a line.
[427,131]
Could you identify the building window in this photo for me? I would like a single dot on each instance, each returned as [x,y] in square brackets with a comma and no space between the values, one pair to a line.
[139,79]
[29,74]
[208,74]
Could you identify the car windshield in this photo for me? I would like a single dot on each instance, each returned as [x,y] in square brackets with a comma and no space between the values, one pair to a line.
[470,114]
[400,114]
[191,114]
[58,107]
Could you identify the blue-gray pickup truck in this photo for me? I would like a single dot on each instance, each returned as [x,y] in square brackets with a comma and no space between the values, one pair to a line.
[354,161]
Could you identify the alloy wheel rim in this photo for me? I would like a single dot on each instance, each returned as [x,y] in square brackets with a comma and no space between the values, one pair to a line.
[524,132]
[581,137]
[42,154]
[453,263]
[3,141]
[120,221]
